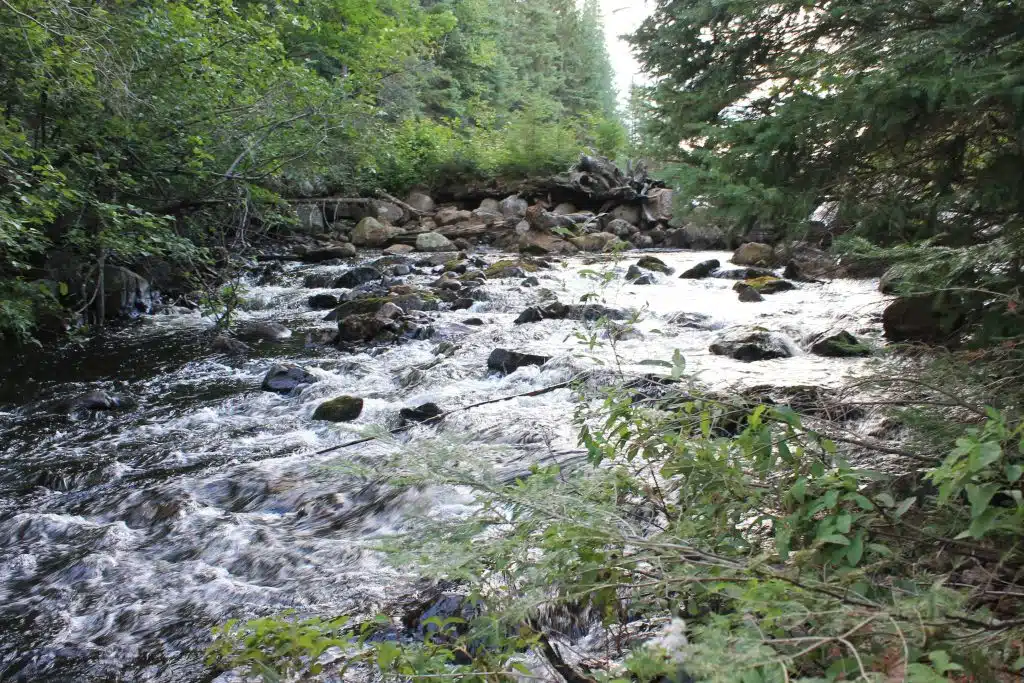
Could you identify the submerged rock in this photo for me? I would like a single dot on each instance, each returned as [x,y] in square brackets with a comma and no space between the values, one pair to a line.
[750,344]
[421,413]
[340,409]
[267,330]
[701,270]
[840,345]
[743,273]
[318,281]
[598,241]
[507,362]
[94,401]
[286,377]
[559,311]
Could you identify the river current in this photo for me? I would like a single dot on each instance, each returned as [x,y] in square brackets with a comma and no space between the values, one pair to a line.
[126,535]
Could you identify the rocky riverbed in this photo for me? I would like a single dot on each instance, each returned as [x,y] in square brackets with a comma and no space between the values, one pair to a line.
[157,481]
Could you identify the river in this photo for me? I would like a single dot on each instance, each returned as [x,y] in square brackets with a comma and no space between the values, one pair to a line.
[126,535]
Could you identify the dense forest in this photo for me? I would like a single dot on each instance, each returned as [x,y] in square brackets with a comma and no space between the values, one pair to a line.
[141,130]
[842,503]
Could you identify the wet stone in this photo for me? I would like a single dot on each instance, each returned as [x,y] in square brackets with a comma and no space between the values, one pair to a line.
[322,302]
[840,345]
[357,276]
[287,377]
[340,409]
[701,270]
[422,413]
[507,362]
[749,344]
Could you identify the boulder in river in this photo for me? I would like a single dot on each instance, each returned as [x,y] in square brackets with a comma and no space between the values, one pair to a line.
[513,207]
[754,254]
[420,202]
[224,343]
[920,319]
[743,273]
[559,311]
[433,241]
[400,249]
[340,409]
[620,228]
[286,377]
[701,270]
[362,328]
[508,269]
[840,345]
[267,330]
[655,264]
[769,284]
[427,412]
[507,362]
[318,281]
[357,276]
[596,242]
[370,232]
[336,251]
[696,237]
[748,294]
[750,344]
[322,302]
[450,216]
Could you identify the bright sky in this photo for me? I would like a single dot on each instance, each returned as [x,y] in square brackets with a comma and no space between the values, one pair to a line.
[622,16]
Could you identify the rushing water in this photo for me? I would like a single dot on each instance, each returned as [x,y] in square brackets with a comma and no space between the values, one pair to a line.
[124,536]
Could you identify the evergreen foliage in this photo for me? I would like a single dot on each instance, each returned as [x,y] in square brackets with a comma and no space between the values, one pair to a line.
[905,117]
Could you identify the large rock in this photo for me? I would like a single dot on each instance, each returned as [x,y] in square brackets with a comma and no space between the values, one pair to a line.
[749,295]
[620,228]
[697,237]
[344,250]
[491,206]
[322,302]
[598,241]
[655,264]
[286,377]
[340,409]
[399,249]
[370,232]
[840,345]
[743,273]
[627,212]
[765,285]
[94,400]
[754,254]
[427,412]
[362,328]
[420,202]
[357,276]
[226,344]
[506,362]
[127,293]
[450,216]
[387,212]
[540,243]
[513,207]
[750,344]
[564,209]
[920,319]
[559,311]
[433,241]
[658,205]
[701,270]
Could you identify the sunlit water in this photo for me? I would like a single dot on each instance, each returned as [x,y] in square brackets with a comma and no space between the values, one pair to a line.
[125,536]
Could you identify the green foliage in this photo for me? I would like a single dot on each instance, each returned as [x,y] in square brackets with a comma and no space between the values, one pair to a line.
[745,541]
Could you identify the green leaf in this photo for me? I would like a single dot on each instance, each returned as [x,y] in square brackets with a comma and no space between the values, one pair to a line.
[856,549]
[905,505]
[835,538]
[843,522]
[980,496]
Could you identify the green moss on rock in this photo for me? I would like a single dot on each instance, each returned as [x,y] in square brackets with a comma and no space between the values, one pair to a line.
[340,409]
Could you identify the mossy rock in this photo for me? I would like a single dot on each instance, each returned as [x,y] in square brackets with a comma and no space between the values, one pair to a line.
[655,264]
[370,304]
[840,345]
[767,284]
[340,409]
[507,268]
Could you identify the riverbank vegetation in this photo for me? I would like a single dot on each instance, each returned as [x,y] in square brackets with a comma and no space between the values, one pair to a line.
[134,132]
